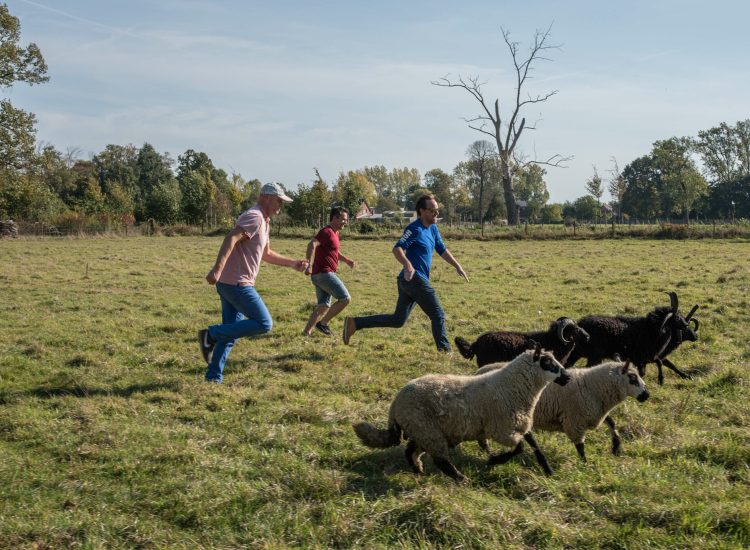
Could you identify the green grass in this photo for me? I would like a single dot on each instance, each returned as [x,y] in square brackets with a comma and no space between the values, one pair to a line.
[110,438]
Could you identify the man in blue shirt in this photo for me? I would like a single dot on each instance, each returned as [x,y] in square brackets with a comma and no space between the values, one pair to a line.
[414,251]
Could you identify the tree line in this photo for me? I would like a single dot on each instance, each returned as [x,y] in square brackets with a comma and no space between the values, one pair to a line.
[703,176]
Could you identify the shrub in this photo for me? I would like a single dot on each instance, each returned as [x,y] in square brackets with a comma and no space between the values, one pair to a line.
[365,227]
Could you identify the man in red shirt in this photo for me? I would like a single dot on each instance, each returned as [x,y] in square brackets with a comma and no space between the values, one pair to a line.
[324,247]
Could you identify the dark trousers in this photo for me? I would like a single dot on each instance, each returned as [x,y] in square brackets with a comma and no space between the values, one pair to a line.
[417,291]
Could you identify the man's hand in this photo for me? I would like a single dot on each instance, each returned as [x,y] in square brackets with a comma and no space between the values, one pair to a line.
[212,277]
[460,271]
[308,269]
[409,273]
[300,265]
[350,263]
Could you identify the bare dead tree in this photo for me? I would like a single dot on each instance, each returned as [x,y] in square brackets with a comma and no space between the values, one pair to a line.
[506,133]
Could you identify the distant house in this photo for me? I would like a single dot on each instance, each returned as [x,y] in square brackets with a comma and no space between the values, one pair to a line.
[366,213]
[400,217]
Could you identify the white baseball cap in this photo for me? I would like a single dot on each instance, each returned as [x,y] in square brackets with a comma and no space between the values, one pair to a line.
[276,190]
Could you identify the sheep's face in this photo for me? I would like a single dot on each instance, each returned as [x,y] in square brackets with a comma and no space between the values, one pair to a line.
[636,387]
[550,365]
[568,331]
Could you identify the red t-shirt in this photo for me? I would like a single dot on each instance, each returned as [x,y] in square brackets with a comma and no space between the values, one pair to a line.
[327,253]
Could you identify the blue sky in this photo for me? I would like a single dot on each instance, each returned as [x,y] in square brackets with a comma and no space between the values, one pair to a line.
[273,89]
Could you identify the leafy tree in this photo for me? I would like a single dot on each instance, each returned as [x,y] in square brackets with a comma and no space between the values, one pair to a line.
[506,133]
[730,199]
[154,170]
[681,184]
[311,204]
[586,208]
[595,188]
[441,185]
[725,151]
[118,165]
[404,182]
[551,213]
[17,64]
[496,209]
[531,187]
[196,192]
[351,188]
[163,202]
[617,187]
[17,137]
[642,180]
[92,200]
[27,197]
[381,181]
[480,165]
[120,201]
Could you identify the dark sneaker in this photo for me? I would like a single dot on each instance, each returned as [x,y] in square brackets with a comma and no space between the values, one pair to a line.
[349,329]
[323,328]
[207,344]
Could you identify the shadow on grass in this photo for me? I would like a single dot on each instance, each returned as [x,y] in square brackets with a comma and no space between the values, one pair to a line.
[79,390]
[375,471]
[291,362]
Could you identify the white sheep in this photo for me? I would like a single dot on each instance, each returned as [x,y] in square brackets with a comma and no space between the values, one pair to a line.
[585,402]
[437,412]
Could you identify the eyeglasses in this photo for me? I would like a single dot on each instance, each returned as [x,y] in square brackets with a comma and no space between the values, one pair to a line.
[433,210]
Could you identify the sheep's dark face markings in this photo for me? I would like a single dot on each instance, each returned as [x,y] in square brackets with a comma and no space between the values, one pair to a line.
[636,386]
[549,364]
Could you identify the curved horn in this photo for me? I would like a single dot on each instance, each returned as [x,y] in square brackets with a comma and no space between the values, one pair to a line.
[673,299]
[696,323]
[690,315]
[565,322]
[664,322]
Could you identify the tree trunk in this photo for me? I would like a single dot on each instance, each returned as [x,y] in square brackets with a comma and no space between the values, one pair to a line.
[510,197]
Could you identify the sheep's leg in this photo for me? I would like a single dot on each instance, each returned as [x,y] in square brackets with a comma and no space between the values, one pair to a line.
[413,454]
[615,435]
[679,373]
[661,372]
[448,468]
[540,458]
[502,458]
[483,445]
[581,448]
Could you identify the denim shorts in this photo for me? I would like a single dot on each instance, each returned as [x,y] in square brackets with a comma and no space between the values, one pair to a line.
[328,285]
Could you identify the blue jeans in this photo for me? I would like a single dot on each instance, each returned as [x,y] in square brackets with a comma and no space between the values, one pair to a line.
[328,285]
[243,313]
[417,291]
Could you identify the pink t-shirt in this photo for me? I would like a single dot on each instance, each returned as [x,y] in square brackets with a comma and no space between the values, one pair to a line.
[243,263]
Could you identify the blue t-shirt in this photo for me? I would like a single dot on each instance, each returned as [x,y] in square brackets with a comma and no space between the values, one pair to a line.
[418,242]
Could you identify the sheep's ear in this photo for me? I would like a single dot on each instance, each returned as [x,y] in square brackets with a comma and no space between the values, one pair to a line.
[625,367]
[537,352]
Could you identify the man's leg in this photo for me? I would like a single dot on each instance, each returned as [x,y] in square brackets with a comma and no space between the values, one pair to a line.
[397,319]
[229,314]
[257,320]
[334,287]
[404,305]
[426,297]
[316,315]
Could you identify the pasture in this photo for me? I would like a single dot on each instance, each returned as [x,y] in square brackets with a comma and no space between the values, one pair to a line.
[110,438]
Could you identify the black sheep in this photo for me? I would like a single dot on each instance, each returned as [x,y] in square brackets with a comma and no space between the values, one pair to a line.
[641,340]
[493,347]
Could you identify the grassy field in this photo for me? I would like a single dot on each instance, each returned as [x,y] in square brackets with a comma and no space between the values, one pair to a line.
[110,438]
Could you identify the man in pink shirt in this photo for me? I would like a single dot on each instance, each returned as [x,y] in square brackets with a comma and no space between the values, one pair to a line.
[243,312]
